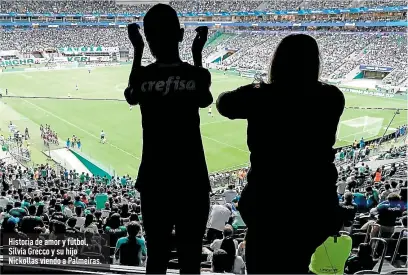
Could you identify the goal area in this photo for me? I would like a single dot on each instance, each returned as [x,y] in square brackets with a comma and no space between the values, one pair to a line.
[362,127]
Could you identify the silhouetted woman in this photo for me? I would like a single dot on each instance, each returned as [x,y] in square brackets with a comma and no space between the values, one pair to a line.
[292,118]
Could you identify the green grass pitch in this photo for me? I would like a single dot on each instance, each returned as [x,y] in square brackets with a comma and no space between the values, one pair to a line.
[224,140]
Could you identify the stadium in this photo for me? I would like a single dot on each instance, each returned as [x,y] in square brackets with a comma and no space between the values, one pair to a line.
[67,130]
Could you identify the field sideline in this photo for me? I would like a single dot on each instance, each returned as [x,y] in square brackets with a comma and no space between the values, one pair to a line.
[224,140]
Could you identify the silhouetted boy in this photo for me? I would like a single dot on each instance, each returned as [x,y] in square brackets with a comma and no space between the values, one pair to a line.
[170,93]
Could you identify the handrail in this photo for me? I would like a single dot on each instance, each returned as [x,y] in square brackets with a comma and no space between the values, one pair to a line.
[383,252]
[400,238]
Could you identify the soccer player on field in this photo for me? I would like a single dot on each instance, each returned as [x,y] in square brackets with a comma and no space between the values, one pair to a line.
[76,87]
[210,111]
[102,137]
[170,93]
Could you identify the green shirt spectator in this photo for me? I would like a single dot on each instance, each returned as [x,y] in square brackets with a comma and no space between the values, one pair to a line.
[101,199]
[237,220]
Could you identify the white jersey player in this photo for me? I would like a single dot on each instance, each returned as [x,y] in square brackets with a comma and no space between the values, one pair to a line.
[103,138]
[76,87]
[130,107]
[210,111]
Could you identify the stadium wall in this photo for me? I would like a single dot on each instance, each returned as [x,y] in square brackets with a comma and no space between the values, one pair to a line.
[93,168]
[359,76]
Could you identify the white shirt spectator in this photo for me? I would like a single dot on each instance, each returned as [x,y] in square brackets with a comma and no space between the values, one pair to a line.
[72,194]
[80,222]
[91,228]
[341,187]
[68,212]
[3,202]
[16,184]
[239,265]
[219,216]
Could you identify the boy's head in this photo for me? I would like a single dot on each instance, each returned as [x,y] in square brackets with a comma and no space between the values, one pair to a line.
[162,29]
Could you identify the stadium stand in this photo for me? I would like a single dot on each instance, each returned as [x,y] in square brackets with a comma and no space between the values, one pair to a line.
[341,52]
[101,209]
[106,6]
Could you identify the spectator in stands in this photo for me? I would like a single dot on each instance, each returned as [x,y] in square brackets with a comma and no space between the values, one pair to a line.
[403,198]
[377,175]
[219,217]
[28,223]
[234,264]
[341,186]
[89,225]
[348,210]
[361,201]
[58,214]
[394,186]
[230,194]
[388,212]
[163,34]
[351,182]
[128,246]
[219,263]
[114,229]
[386,192]
[9,229]
[392,171]
[3,199]
[372,197]
[241,250]
[18,211]
[101,198]
[296,57]
[227,234]
[362,261]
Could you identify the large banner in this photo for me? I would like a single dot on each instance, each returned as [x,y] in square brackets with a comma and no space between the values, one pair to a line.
[19,62]
[362,92]
[78,58]
[375,68]
[90,49]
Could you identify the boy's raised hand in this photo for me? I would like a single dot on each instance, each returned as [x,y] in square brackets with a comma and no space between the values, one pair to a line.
[135,37]
[200,40]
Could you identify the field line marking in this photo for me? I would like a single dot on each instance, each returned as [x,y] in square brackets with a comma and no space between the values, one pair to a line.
[389,129]
[79,128]
[215,122]
[226,144]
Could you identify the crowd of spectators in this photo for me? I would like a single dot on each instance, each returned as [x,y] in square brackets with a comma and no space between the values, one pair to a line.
[52,204]
[383,50]
[383,3]
[326,4]
[110,6]
[341,52]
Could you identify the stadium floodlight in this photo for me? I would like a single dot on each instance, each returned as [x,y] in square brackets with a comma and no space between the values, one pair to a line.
[361,127]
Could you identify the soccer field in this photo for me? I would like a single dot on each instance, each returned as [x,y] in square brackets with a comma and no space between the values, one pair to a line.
[224,140]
